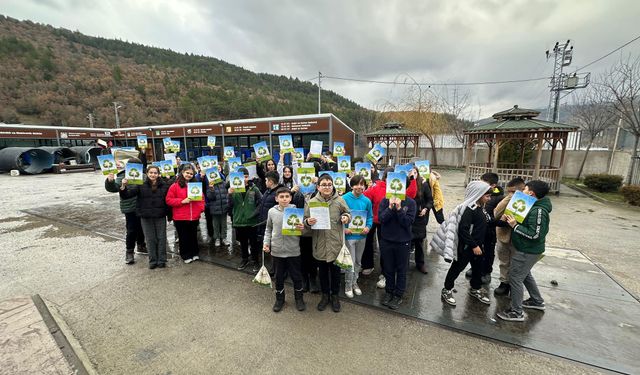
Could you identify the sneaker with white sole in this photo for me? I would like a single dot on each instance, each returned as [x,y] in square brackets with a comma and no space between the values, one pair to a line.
[348,292]
[480,295]
[356,290]
[217,243]
[447,297]
[225,242]
[511,316]
[187,261]
[195,257]
[531,304]
[382,282]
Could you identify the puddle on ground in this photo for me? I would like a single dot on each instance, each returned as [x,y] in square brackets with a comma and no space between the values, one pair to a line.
[51,228]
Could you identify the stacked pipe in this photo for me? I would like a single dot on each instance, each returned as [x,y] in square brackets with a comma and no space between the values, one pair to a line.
[87,154]
[26,160]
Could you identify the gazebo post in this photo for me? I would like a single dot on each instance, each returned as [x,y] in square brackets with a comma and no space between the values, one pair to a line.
[496,152]
[536,172]
[522,146]
[553,151]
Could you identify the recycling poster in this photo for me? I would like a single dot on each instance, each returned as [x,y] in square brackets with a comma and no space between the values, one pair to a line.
[286,143]
[298,155]
[376,153]
[236,182]
[424,168]
[292,217]
[305,180]
[228,153]
[262,151]
[344,164]
[194,191]
[133,173]
[338,149]
[358,221]
[211,141]
[107,164]
[315,149]
[364,170]
[213,175]
[519,206]
[340,182]
[396,185]
[142,141]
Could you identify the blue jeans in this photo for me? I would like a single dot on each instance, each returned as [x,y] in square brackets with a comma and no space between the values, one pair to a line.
[356,248]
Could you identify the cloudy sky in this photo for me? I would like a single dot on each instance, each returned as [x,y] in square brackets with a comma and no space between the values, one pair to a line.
[430,41]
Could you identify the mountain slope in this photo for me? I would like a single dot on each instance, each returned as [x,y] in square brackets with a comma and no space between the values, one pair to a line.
[55,76]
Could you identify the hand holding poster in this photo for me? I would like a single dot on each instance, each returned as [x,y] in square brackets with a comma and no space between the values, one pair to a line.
[213,175]
[107,164]
[211,141]
[396,185]
[305,180]
[344,164]
[286,143]
[194,191]
[424,168]
[315,150]
[338,149]
[234,164]
[519,206]
[292,217]
[236,182]
[133,173]
[340,182]
[357,224]
[364,170]
[376,153]
[298,155]
[142,141]
[262,151]
[228,153]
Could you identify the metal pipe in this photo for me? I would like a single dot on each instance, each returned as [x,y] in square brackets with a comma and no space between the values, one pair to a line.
[60,154]
[87,154]
[26,160]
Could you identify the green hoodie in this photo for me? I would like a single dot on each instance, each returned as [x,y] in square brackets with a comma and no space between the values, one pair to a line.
[529,236]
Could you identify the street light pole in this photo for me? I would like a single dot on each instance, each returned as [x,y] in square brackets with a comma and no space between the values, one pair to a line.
[116,106]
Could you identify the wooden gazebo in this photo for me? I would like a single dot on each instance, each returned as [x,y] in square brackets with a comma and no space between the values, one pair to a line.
[519,126]
[393,135]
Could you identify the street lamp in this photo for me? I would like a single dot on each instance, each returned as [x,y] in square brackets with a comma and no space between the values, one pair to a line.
[117,106]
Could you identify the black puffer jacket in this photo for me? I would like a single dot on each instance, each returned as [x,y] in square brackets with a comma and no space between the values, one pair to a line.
[150,203]
[218,197]
[424,199]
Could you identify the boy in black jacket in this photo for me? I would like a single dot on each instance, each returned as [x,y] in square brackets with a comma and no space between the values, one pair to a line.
[396,217]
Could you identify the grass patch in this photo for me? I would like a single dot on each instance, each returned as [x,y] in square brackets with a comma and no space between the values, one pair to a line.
[611,197]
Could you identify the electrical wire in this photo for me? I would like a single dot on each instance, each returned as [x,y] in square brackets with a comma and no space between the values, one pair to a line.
[438,83]
[608,54]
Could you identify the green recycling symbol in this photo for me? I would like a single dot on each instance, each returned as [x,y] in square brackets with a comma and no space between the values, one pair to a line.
[396,184]
[358,221]
[237,182]
[519,205]
[293,220]
[195,190]
[344,164]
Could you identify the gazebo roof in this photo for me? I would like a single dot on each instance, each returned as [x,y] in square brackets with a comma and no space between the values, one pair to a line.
[393,129]
[519,120]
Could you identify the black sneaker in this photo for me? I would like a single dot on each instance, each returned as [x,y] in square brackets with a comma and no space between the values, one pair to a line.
[243,264]
[324,301]
[335,303]
[387,299]
[531,304]
[153,266]
[129,258]
[447,297]
[511,316]
[395,303]
[162,265]
[502,290]
[468,273]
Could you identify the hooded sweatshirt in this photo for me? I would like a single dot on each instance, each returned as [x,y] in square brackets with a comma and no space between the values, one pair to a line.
[529,237]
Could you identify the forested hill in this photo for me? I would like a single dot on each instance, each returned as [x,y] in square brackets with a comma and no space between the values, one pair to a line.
[55,76]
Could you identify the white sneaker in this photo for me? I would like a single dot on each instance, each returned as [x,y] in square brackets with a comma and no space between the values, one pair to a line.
[225,242]
[187,261]
[195,257]
[367,272]
[382,282]
[348,292]
[356,290]
[217,243]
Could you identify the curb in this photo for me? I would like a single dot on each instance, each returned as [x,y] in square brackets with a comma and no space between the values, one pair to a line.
[61,333]
[599,199]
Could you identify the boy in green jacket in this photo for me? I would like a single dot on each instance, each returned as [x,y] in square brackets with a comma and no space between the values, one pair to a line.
[244,219]
[528,239]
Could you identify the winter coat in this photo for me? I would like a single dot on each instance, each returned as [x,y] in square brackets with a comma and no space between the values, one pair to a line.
[376,193]
[496,196]
[395,225]
[424,200]
[244,207]
[266,203]
[127,205]
[529,237]
[445,240]
[503,234]
[183,212]
[327,243]
[150,203]
[218,199]
[436,191]
[281,246]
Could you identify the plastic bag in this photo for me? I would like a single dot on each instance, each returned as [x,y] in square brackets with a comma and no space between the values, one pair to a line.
[263,278]
[344,260]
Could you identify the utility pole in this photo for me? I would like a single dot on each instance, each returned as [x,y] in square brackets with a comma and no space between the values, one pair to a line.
[90,117]
[117,106]
[562,56]
[319,88]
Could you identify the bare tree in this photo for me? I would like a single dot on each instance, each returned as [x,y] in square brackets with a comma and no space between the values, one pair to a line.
[454,105]
[623,82]
[592,110]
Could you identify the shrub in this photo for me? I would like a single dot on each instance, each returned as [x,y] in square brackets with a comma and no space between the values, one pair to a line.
[603,182]
[631,194]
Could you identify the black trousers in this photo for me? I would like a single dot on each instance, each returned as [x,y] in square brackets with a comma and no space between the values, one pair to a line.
[419,254]
[209,219]
[488,256]
[329,277]
[396,264]
[247,236]
[367,255]
[134,231]
[284,266]
[188,235]
[309,266]
[465,256]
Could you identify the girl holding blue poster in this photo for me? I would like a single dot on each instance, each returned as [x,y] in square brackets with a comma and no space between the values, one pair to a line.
[186,214]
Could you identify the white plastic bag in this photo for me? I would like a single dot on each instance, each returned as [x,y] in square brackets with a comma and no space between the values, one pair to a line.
[263,278]
[344,260]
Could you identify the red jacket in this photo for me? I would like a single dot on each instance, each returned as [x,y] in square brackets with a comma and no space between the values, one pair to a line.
[377,192]
[183,212]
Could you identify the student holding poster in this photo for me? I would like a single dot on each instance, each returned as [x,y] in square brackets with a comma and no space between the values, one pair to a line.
[528,238]
[396,216]
[284,246]
[186,214]
[107,164]
[244,199]
[356,232]
[328,242]
[217,202]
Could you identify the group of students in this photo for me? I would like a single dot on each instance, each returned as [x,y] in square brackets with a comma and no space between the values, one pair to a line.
[469,234]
